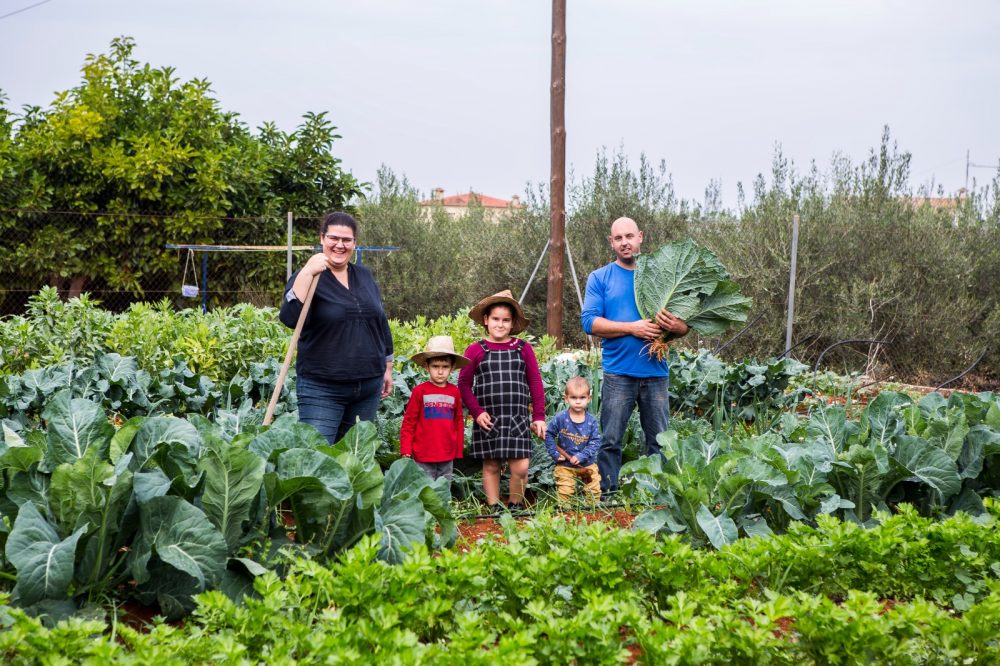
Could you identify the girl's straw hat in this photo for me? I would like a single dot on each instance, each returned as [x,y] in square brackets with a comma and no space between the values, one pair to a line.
[438,346]
[477,313]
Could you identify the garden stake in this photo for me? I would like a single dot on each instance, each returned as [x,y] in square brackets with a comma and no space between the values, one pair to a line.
[292,344]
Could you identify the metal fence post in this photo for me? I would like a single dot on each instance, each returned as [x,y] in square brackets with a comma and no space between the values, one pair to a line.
[791,282]
[288,270]
[204,281]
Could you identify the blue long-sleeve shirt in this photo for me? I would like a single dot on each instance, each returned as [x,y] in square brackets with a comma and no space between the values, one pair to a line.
[582,440]
[611,295]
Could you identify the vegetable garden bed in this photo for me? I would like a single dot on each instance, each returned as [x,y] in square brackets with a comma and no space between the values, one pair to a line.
[144,480]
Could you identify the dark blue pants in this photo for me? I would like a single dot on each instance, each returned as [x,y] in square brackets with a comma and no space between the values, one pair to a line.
[619,396]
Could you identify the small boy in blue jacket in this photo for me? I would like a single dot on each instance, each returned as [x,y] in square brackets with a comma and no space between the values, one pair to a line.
[573,440]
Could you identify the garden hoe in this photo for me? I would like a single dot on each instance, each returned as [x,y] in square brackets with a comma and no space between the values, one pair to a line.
[269,415]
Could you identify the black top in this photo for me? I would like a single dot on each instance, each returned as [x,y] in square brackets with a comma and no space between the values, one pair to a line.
[346,335]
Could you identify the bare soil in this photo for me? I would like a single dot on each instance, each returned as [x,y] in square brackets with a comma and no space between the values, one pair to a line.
[471,532]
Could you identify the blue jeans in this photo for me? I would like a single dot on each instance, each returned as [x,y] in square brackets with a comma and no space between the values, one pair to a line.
[619,396]
[333,407]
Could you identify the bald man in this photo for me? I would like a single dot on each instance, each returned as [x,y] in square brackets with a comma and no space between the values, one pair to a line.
[631,376]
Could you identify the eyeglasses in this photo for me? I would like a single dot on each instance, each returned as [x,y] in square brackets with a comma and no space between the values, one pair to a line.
[339,239]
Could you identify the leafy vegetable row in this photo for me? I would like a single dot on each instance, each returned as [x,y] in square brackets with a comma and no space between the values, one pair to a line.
[555,591]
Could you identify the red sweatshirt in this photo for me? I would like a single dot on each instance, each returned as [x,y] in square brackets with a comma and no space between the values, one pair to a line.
[433,427]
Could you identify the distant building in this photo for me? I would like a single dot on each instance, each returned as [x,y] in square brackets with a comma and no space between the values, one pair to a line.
[457,205]
[952,204]
[940,203]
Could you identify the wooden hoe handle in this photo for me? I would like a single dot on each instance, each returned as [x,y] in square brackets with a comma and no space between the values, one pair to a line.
[292,344]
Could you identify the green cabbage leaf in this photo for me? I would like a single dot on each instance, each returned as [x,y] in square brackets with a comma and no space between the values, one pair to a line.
[690,282]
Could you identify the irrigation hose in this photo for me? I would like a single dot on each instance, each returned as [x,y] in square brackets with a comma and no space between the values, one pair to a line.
[753,322]
[809,338]
[528,513]
[966,371]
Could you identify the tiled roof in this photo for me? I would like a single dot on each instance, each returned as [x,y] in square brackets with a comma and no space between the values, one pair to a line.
[937,203]
[464,200]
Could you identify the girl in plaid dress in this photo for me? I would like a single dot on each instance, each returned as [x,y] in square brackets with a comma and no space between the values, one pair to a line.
[502,389]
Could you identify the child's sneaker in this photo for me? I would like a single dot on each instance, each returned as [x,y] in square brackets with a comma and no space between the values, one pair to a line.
[516,508]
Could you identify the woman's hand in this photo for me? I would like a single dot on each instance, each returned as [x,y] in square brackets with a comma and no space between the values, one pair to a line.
[312,268]
[485,421]
[317,264]
[387,383]
[538,427]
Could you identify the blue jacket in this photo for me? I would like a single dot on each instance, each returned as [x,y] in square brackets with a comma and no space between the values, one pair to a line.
[582,440]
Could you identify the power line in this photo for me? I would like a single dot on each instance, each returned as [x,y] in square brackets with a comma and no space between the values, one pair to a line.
[24,9]
[970,165]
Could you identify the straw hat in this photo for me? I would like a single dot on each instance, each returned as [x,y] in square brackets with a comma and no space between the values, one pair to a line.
[477,313]
[438,346]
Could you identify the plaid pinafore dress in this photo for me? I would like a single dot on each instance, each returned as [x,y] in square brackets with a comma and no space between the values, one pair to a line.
[501,387]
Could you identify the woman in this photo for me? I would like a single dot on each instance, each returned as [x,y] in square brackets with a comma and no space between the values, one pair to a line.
[344,363]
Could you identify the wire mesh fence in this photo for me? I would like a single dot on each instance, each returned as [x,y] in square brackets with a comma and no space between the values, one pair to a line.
[119,259]
[912,296]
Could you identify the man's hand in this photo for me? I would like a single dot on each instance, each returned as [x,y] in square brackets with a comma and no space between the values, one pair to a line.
[668,322]
[646,330]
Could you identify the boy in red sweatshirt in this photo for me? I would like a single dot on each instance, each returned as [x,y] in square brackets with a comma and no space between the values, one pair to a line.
[433,431]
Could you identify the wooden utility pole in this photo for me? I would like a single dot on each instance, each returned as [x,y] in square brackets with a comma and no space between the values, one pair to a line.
[557,179]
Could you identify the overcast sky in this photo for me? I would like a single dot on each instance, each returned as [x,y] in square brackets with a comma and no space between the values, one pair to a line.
[455,93]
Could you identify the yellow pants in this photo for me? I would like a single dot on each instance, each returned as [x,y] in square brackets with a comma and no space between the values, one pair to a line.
[566,477]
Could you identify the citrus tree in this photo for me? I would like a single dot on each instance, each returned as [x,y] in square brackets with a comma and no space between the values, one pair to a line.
[161,161]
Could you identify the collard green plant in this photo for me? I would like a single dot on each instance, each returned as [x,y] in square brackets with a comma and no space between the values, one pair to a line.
[711,489]
[44,561]
[690,282]
[711,486]
[115,384]
[171,504]
[702,384]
